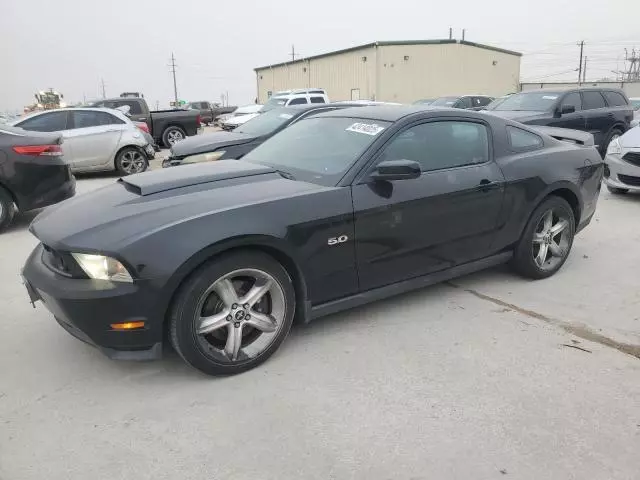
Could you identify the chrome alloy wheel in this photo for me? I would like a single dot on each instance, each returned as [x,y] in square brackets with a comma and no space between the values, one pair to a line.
[174,136]
[551,239]
[132,162]
[240,315]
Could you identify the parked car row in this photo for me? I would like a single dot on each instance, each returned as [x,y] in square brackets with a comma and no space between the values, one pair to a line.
[209,111]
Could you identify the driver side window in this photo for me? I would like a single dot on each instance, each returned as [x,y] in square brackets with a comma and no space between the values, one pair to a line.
[573,99]
[440,145]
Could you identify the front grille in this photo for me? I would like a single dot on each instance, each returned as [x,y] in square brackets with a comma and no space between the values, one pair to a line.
[629,180]
[633,158]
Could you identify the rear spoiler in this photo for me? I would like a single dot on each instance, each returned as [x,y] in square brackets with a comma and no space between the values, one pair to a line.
[576,137]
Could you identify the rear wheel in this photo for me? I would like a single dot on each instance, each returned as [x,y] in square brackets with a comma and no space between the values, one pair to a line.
[547,239]
[130,160]
[233,313]
[7,209]
[617,191]
[172,135]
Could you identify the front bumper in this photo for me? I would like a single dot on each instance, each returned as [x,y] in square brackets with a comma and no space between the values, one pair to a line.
[621,174]
[86,309]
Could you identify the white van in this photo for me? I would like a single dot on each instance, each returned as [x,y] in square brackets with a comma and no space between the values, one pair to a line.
[302,96]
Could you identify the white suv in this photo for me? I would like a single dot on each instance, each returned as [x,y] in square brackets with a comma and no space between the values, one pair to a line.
[296,97]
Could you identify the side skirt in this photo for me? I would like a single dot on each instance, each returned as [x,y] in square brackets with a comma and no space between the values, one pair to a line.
[387,291]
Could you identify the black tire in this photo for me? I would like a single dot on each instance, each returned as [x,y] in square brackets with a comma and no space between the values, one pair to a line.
[617,191]
[170,132]
[130,160]
[7,209]
[523,260]
[190,345]
[616,132]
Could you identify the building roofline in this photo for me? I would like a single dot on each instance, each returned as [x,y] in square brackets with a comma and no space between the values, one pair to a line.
[446,41]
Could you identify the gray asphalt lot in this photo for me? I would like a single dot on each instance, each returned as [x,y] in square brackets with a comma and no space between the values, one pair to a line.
[489,376]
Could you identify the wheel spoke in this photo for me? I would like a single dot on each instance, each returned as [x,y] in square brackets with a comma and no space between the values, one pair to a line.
[556,250]
[259,289]
[559,227]
[214,322]
[227,292]
[542,255]
[538,237]
[262,322]
[548,220]
[234,341]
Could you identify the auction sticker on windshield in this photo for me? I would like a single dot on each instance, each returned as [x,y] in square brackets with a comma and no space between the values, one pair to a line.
[366,128]
[286,116]
[549,97]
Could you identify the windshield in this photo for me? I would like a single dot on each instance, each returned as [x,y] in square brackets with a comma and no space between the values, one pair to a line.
[529,102]
[267,122]
[494,103]
[444,101]
[319,149]
[274,102]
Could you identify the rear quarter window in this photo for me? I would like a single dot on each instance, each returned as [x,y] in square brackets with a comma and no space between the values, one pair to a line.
[615,99]
[521,140]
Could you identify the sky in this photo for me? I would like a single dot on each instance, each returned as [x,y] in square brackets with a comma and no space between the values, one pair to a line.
[73,45]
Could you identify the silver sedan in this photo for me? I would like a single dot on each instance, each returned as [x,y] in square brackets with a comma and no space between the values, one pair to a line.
[95,139]
[622,163]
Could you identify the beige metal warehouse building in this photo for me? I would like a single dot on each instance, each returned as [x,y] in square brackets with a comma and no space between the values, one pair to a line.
[400,71]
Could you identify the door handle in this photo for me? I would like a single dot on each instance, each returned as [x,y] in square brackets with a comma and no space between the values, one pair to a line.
[486,185]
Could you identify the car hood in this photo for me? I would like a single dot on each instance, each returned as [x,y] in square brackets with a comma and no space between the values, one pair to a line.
[209,142]
[518,115]
[631,139]
[240,119]
[132,208]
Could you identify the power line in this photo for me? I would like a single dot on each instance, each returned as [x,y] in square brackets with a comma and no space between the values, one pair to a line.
[175,86]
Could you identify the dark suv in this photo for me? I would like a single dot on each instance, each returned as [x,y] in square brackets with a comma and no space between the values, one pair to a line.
[603,112]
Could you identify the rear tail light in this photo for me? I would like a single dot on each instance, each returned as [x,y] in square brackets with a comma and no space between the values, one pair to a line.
[39,150]
[144,127]
[198,120]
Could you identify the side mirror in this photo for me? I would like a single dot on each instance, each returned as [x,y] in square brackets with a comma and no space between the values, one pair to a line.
[397,170]
[567,109]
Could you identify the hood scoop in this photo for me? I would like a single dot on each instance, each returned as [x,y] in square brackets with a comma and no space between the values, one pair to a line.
[157,181]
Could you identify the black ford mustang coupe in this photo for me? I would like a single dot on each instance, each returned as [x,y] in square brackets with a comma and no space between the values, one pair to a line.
[337,210]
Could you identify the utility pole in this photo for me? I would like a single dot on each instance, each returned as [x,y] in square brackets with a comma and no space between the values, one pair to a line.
[104,94]
[157,105]
[175,87]
[584,70]
[293,53]
[580,66]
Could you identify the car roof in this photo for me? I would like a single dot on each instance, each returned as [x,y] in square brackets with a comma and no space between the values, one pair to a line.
[571,89]
[393,113]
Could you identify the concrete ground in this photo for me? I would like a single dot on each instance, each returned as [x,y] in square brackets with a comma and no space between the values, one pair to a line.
[489,376]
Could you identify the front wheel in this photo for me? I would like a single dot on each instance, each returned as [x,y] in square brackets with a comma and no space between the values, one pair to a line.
[233,313]
[547,239]
[172,135]
[130,160]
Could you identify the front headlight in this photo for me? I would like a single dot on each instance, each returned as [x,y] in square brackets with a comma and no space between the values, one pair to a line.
[614,147]
[204,157]
[100,267]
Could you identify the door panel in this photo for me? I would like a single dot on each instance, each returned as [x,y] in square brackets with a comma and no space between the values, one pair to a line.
[92,147]
[408,228]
